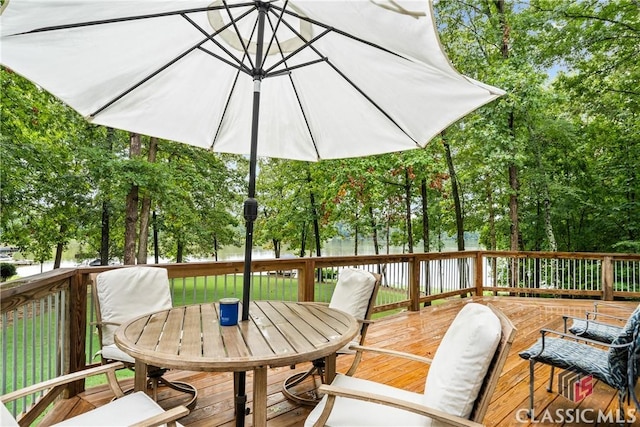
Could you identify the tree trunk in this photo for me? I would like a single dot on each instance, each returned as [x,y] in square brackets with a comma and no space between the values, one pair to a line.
[374,233]
[493,241]
[456,195]
[355,240]
[314,214]
[513,170]
[548,227]
[131,210]
[156,254]
[425,237]
[179,251]
[59,248]
[276,247]
[303,241]
[104,235]
[407,196]
[145,211]
[425,216]
[106,212]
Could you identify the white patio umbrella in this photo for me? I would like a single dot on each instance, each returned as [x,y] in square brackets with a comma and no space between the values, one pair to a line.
[305,80]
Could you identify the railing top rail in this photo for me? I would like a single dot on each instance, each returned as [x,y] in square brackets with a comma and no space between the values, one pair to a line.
[561,255]
[15,293]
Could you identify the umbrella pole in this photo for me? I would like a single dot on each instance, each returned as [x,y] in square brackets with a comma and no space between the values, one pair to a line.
[250,210]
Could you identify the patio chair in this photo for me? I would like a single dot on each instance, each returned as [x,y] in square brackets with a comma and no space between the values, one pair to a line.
[355,293]
[460,382]
[136,409]
[126,293]
[616,364]
[596,325]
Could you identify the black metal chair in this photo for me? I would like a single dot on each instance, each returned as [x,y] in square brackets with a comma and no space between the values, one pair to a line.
[616,364]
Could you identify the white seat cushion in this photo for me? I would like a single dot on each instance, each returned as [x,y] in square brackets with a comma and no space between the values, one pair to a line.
[461,361]
[130,292]
[352,413]
[125,411]
[6,418]
[112,352]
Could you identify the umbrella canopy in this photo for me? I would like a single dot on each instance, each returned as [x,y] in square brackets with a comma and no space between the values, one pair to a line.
[339,78]
[310,80]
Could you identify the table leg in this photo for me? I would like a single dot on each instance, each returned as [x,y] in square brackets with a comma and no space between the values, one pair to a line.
[330,367]
[140,378]
[260,396]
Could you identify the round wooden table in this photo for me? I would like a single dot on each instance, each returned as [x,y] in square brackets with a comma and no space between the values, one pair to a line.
[278,333]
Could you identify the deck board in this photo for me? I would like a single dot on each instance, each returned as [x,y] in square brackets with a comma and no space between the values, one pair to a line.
[416,332]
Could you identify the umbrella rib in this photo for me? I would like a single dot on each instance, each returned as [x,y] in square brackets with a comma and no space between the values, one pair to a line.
[288,69]
[295,89]
[127,18]
[274,30]
[209,37]
[144,80]
[240,64]
[237,30]
[356,87]
[224,112]
[306,44]
[333,29]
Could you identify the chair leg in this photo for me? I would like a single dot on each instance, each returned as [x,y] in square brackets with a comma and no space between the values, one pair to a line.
[550,388]
[298,378]
[181,387]
[531,388]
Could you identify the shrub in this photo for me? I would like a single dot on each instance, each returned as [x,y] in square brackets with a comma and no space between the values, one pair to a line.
[7,270]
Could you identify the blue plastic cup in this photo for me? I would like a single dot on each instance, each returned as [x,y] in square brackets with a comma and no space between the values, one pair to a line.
[229,311]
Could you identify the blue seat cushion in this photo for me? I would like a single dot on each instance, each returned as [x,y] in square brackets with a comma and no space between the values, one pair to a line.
[595,331]
[620,369]
[569,354]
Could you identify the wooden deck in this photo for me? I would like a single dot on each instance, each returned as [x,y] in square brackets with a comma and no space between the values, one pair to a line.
[420,333]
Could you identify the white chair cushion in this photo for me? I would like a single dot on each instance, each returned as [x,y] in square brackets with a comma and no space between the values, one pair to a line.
[125,411]
[353,413]
[461,361]
[6,418]
[112,352]
[353,291]
[130,292]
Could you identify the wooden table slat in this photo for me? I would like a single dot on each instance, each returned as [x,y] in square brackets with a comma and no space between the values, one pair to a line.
[192,332]
[212,345]
[293,335]
[152,331]
[172,333]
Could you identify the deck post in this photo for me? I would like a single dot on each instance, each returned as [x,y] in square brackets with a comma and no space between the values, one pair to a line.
[607,278]
[77,330]
[479,273]
[414,283]
[306,277]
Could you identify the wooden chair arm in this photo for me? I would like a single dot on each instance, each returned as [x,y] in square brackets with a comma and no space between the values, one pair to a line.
[333,392]
[168,417]
[393,353]
[64,379]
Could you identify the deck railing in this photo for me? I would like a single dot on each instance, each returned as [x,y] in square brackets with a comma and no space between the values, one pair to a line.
[47,320]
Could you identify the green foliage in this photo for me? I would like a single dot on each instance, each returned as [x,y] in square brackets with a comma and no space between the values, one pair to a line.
[7,270]
[568,126]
